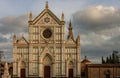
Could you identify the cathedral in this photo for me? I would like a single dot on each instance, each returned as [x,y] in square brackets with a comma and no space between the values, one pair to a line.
[47,53]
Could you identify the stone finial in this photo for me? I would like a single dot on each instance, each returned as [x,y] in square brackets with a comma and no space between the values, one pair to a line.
[14,36]
[46,6]
[30,16]
[14,39]
[78,40]
[62,17]
[70,34]
[78,37]
[70,24]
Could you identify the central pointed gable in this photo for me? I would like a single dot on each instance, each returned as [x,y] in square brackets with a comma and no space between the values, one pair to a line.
[46,13]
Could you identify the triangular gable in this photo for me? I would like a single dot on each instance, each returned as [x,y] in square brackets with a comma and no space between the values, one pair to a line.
[70,41]
[42,15]
[22,41]
[46,51]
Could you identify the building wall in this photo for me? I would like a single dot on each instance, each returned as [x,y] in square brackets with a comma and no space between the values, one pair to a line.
[101,70]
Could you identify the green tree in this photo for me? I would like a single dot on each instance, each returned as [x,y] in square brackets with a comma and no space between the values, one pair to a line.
[117,59]
[107,60]
[110,58]
[114,58]
[103,61]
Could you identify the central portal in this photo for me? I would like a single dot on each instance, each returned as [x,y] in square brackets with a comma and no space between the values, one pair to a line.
[47,61]
[22,73]
[70,73]
[47,72]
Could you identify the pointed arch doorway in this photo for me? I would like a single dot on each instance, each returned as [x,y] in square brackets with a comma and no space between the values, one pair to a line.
[22,73]
[70,70]
[22,69]
[71,73]
[47,61]
[46,71]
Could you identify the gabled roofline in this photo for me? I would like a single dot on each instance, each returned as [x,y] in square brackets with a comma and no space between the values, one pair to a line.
[49,12]
[24,39]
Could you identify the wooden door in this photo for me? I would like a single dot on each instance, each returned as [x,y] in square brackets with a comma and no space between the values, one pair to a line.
[22,73]
[47,72]
[107,76]
[70,73]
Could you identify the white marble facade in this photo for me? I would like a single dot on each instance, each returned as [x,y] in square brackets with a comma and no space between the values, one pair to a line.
[46,48]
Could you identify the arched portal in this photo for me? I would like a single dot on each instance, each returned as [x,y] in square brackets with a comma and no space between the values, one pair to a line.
[47,61]
[22,73]
[70,70]
[22,69]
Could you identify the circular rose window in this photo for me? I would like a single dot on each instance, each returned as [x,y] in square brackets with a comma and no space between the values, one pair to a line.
[47,33]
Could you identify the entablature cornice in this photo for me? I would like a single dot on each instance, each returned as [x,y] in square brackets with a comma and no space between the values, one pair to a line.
[21,45]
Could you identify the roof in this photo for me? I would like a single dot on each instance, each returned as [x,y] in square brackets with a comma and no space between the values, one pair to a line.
[86,61]
[103,65]
[35,20]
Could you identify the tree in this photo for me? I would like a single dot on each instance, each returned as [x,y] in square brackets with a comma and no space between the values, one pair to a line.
[113,58]
[107,60]
[110,59]
[103,61]
[117,59]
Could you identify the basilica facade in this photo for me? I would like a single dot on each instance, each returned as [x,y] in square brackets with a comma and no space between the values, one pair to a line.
[47,53]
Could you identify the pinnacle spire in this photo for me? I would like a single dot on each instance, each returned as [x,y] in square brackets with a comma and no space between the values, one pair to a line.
[30,16]
[70,24]
[14,36]
[14,39]
[78,37]
[62,17]
[78,40]
[70,34]
[46,6]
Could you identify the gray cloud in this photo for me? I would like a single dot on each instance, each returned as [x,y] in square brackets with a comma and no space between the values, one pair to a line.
[97,18]
[8,26]
[12,24]
[99,28]
[2,39]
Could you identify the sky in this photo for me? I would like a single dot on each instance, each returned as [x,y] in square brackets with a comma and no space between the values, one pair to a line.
[96,21]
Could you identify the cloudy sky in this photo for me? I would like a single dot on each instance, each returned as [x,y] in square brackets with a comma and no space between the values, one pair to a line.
[96,21]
